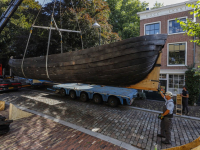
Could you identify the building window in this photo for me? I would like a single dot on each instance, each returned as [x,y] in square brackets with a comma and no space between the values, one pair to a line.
[177,54]
[175,27]
[176,83]
[163,76]
[153,28]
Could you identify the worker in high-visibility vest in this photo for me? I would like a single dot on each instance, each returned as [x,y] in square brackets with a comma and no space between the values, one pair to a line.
[166,118]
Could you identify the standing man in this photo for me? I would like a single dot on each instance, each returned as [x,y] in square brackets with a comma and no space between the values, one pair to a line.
[166,118]
[185,96]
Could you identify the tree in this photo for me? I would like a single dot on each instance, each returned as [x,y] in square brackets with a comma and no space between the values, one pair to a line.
[192,75]
[157,5]
[16,33]
[124,18]
[192,82]
[19,23]
[87,13]
[192,28]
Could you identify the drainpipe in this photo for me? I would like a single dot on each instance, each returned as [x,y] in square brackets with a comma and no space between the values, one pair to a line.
[194,52]
[194,16]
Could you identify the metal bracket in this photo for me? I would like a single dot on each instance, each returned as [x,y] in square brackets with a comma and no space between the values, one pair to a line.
[158,65]
[155,80]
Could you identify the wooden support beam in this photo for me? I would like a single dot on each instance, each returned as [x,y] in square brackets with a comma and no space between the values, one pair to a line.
[151,82]
[196,148]
[2,105]
[16,113]
[194,145]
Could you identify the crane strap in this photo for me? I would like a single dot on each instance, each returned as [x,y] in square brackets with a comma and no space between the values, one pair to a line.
[47,73]
[22,64]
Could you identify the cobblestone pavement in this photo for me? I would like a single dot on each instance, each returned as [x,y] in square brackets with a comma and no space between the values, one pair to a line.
[194,111]
[135,127]
[36,132]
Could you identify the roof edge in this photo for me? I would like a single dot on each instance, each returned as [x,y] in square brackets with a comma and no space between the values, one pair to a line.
[167,6]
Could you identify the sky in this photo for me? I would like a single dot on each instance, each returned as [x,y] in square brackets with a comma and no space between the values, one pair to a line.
[166,2]
[46,1]
[151,2]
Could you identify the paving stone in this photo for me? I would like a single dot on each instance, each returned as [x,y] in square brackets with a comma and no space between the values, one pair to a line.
[50,135]
[122,123]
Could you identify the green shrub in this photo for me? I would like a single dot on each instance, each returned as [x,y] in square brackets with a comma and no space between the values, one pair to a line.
[192,82]
[141,95]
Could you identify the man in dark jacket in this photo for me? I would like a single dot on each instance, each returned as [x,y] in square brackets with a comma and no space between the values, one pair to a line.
[185,96]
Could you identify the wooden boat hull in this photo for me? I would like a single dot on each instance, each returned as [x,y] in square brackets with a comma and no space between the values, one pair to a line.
[117,64]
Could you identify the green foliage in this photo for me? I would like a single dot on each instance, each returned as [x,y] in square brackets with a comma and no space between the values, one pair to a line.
[157,5]
[193,85]
[140,96]
[124,18]
[18,24]
[13,38]
[192,28]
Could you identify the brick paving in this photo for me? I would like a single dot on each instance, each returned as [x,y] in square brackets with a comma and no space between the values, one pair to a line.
[36,132]
[135,127]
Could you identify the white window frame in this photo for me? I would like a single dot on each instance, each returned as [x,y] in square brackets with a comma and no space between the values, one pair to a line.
[185,54]
[163,78]
[175,19]
[152,23]
[168,80]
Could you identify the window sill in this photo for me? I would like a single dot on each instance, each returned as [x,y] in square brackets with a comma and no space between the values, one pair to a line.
[152,34]
[176,65]
[176,33]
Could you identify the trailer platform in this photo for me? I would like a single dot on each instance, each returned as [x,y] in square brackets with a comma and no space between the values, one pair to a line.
[112,95]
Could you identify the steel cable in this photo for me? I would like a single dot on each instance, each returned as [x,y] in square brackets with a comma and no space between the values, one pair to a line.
[78,25]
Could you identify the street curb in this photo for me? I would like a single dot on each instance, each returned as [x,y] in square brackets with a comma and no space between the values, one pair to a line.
[79,128]
[154,111]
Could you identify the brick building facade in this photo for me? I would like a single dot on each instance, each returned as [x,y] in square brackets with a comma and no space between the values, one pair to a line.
[178,53]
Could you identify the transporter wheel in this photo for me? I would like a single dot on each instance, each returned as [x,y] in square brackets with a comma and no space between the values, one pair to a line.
[62,92]
[97,99]
[84,97]
[113,101]
[72,94]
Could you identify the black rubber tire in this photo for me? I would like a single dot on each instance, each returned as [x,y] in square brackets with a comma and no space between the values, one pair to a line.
[113,101]
[72,94]
[62,92]
[97,99]
[84,97]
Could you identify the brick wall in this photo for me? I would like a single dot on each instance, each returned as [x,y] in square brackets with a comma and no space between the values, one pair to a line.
[171,38]
[197,53]
[197,56]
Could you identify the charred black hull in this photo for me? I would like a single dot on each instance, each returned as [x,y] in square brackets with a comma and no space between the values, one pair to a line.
[118,64]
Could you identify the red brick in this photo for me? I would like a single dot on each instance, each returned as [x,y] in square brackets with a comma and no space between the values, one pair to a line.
[171,38]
